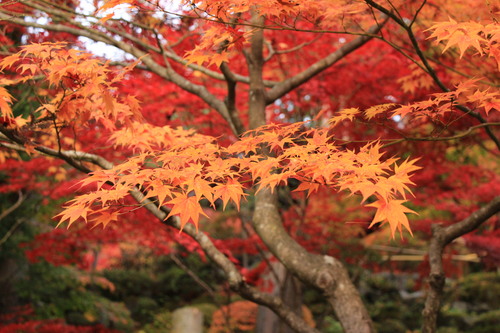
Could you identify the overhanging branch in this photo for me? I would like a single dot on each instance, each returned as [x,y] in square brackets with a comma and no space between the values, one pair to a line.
[234,277]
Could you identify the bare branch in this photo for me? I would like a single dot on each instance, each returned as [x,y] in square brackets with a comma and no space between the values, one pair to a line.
[19,201]
[192,274]
[12,229]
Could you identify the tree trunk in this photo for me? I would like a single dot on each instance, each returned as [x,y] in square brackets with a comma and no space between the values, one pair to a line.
[441,237]
[323,272]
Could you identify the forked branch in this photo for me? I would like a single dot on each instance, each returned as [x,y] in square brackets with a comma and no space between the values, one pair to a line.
[441,237]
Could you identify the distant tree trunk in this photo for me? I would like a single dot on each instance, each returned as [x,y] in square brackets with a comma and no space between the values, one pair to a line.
[289,289]
[9,270]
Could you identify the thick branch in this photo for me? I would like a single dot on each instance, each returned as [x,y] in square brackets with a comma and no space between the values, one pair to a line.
[231,96]
[288,85]
[255,63]
[441,237]
[324,272]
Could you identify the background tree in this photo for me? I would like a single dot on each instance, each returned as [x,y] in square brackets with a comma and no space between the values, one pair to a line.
[278,69]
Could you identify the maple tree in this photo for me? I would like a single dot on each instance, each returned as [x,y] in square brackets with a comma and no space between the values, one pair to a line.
[284,109]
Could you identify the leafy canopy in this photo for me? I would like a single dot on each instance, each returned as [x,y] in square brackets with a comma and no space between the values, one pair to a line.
[180,169]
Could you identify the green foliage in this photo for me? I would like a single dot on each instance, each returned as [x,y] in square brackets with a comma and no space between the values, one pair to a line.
[54,291]
[129,282]
[162,322]
[111,314]
[481,288]
[17,225]
[143,308]
[208,310]
[332,326]
[487,322]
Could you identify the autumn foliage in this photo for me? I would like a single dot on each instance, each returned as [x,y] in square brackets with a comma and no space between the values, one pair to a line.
[181,168]
[298,116]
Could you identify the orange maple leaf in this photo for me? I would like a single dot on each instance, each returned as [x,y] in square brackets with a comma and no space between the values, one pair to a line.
[393,212]
[104,218]
[345,114]
[307,186]
[5,100]
[231,190]
[73,212]
[187,208]
[378,109]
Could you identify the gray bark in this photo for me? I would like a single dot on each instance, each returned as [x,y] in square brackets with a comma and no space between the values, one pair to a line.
[441,237]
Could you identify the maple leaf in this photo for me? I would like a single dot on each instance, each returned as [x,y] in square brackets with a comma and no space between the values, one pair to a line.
[403,111]
[377,109]
[273,180]
[393,212]
[110,4]
[463,35]
[319,138]
[5,100]
[157,188]
[401,176]
[104,217]
[307,186]
[201,188]
[187,208]
[231,190]
[77,209]
[262,168]
[345,114]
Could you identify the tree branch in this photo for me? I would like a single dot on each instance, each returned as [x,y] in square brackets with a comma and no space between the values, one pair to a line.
[289,84]
[231,96]
[324,272]
[441,237]
[16,205]
[427,66]
[164,72]
[12,229]
[234,277]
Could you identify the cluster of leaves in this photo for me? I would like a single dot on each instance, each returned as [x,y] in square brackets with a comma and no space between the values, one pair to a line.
[224,22]
[436,108]
[80,89]
[484,38]
[238,316]
[194,168]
